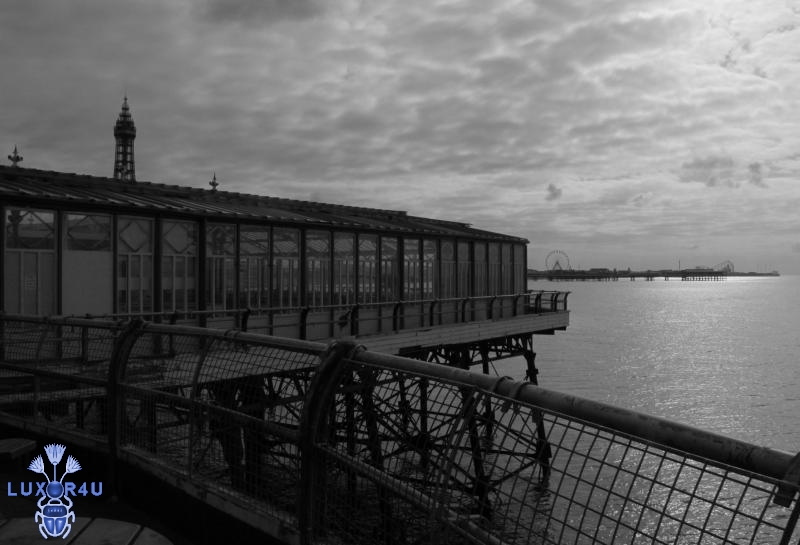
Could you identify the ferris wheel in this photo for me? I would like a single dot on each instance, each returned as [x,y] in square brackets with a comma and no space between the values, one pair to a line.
[557,261]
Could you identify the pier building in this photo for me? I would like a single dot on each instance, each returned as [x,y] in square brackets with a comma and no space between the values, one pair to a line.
[118,247]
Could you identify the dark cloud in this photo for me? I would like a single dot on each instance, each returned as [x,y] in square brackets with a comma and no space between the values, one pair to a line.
[756,176]
[451,109]
[553,192]
[713,171]
[604,38]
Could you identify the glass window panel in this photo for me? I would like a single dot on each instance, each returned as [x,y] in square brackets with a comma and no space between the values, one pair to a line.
[179,238]
[430,270]
[389,270]
[220,240]
[464,270]
[506,269]
[494,269]
[318,268]
[286,267]
[134,235]
[254,240]
[448,270]
[254,243]
[480,279]
[147,283]
[520,269]
[179,265]
[12,278]
[88,232]
[412,270]
[134,264]
[30,282]
[344,269]
[220,280]
[30,229]
[367,269]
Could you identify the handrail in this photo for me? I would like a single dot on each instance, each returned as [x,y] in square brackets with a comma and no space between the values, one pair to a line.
[381,437]
[418,313]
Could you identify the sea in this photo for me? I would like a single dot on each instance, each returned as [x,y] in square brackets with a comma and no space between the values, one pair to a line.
[718,355]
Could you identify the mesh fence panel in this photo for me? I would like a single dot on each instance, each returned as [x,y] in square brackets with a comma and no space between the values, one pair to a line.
[56,372]
[414,459]
[221,411]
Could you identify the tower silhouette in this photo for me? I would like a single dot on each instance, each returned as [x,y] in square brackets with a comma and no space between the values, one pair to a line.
[124,133]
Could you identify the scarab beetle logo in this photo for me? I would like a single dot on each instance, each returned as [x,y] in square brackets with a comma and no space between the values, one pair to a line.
[55,513]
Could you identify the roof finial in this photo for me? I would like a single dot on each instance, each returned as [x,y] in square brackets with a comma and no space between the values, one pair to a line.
[214,183]
[15,157]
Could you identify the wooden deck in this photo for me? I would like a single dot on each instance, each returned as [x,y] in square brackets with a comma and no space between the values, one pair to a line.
[85,531]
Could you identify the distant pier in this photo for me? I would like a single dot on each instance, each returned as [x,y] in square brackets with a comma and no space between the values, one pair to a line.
[611,275]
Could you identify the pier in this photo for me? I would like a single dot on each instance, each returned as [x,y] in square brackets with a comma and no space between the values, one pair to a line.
[613,275]
[312,443]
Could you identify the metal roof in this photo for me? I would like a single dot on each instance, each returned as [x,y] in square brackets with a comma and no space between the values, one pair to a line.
[32,187]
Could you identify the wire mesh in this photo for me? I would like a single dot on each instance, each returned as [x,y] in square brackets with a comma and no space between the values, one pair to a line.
[418,459]
[56,372]
[220,410]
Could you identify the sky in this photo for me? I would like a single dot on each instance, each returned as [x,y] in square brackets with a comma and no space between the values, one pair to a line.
[646,134]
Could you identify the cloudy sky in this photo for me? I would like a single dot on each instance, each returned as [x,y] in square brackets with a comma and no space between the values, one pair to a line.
[626,133]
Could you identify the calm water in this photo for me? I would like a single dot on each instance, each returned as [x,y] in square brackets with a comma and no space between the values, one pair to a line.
[722,356]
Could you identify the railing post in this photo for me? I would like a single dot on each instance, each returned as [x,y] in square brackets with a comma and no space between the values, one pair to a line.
[354,320]
[115,400]
[313,425]
[303,322]
[396,315]
[431,312]
[84,344]
[245,319]
[537,303]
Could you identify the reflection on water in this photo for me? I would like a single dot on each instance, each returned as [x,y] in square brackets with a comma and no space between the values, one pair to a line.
[721,356]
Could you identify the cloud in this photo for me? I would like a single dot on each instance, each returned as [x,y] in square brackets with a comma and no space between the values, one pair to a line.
[259,12]
[713,171]
[553,192]
[756,176]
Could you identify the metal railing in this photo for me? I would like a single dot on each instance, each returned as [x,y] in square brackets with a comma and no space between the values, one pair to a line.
[317,443]
[325,322]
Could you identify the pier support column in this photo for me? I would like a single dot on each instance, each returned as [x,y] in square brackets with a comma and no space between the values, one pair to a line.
[532,372]
[543,451]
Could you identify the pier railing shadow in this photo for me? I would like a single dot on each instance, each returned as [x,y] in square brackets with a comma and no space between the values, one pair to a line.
[330,443]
